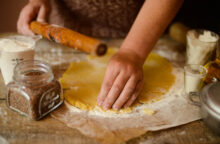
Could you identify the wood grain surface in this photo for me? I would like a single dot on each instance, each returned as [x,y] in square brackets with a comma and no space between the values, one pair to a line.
[16,129]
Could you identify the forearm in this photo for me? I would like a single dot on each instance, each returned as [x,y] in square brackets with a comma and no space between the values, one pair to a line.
[150,23]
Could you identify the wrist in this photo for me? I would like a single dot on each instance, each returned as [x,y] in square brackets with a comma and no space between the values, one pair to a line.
[131,52]
[139,52]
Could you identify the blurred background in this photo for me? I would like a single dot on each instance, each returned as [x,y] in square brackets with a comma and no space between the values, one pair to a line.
[194,14]
[9,11]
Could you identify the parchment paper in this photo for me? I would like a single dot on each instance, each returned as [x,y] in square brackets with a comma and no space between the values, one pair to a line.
[173,110]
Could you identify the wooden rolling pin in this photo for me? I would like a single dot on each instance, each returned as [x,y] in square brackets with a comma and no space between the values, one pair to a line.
[69,38]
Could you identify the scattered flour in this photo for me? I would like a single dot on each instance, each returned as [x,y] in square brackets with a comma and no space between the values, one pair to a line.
[207,37]
[182,133]
[3,118]
[3,140]
[2,112]
[200,47]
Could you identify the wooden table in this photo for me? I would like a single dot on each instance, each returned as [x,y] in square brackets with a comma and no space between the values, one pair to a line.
[15,128]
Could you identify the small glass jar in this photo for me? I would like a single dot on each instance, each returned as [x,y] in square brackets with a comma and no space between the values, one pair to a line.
[34,92]
[193,78]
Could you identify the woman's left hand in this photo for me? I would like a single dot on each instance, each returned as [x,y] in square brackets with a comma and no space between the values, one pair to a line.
[123,81]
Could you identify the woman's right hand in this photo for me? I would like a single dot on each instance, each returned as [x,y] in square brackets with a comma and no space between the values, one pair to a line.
[34,10]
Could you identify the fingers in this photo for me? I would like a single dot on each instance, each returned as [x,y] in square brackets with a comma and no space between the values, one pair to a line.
[34,10]
[135,94]
[115,90]
[43,14]
[123,81]
[26,16]
[128,90]
[108,81]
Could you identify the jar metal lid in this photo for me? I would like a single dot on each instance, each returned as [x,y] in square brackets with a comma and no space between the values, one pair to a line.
[211,97]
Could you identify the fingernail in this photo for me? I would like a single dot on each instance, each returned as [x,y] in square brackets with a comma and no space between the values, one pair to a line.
[115,108]
[99,103]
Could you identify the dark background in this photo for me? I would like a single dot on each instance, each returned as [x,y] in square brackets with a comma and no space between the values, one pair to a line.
[194,13]
[203,14]
[9,11]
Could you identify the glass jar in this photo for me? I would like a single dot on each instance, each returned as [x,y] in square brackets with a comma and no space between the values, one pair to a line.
[213,69]
[193,78]
[34,92]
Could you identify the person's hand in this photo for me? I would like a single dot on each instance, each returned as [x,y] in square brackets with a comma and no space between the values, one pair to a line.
[34,10]
[123,81]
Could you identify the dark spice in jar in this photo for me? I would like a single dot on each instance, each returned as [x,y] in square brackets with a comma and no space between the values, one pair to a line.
[34,92]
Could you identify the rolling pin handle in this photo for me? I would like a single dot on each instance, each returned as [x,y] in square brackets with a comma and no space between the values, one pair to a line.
[101,49]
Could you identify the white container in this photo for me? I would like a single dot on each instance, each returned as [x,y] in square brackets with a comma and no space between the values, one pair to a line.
[13,50]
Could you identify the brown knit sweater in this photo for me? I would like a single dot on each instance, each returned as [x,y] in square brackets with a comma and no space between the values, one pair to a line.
[97,18]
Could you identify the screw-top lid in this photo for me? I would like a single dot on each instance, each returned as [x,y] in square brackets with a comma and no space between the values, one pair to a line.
[211,97]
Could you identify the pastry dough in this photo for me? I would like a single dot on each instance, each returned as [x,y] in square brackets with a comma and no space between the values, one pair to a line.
[82,80]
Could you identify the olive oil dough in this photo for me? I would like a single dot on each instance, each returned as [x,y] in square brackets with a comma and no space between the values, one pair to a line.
[82,80]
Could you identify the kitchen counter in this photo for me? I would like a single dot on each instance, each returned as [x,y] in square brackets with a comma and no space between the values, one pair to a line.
[15,128]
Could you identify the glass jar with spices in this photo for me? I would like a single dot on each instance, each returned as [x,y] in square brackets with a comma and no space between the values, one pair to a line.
[34,91]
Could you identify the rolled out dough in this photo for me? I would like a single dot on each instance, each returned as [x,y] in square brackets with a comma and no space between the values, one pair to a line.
[82,80]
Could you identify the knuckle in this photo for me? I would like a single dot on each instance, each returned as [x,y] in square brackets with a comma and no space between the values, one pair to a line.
[130,89]
[107,85]
[116,87]
[133,70]
[126,97]
[29,7]
[117,103]
[111,101]
[115,61]
[121,101]
[130,68]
